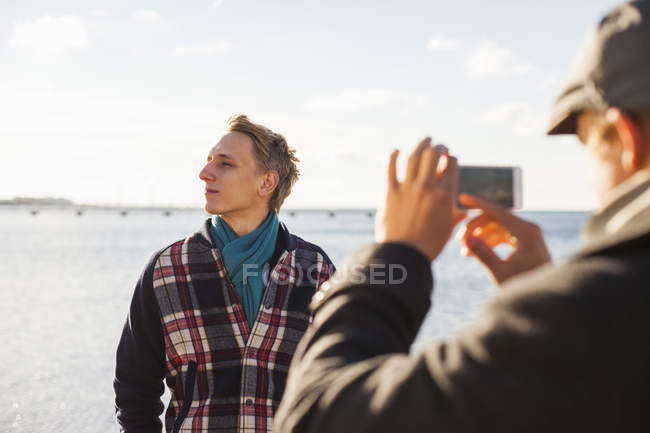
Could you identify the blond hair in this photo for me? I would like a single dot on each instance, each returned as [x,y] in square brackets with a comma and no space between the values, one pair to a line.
[272,153]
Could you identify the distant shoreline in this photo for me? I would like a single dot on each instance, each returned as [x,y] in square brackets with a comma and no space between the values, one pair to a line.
[61,203]
[82,208]
[69,205]
[57,203]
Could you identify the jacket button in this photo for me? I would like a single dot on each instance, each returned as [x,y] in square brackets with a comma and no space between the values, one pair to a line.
[268,305]
[249,402]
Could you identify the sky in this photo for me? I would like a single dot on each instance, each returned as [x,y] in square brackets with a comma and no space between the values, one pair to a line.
[118,103]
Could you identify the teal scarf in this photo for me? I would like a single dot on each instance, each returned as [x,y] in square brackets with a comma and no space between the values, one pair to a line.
[254,250]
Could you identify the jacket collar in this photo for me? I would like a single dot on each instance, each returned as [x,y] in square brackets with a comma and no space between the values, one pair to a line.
[624,217]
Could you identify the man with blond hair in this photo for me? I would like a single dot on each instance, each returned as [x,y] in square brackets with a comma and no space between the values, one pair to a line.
[560,348]
[218,315]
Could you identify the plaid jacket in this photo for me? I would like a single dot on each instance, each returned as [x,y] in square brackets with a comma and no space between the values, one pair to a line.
[186,325]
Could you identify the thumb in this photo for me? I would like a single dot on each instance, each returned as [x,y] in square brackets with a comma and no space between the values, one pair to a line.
[488,257]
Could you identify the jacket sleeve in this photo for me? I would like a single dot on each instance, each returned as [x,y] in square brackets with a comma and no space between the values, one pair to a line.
[533,361]
[140,362]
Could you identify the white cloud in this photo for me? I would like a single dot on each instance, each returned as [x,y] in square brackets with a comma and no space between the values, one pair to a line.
[440,43]
[147,16]
[490,60]
[217,3]
[63,114]
[518,116]
[49,36]
[356,100]
[203,48]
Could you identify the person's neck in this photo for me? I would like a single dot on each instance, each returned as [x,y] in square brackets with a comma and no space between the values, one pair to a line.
[244,223]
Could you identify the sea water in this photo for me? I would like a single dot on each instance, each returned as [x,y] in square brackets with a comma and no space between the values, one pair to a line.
[66,282]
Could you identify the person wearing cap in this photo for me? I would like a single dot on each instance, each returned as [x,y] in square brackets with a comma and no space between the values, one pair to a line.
[561,348]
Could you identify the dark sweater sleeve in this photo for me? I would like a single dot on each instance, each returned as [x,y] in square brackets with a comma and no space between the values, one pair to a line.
[140,361]
[547,351]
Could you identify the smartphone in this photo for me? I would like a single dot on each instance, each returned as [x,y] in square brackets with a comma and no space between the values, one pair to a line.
[500,185]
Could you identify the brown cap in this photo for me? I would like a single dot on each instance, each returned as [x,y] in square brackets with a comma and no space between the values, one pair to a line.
[613,69]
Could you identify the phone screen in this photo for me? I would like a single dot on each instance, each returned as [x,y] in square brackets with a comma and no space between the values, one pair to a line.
[500,185]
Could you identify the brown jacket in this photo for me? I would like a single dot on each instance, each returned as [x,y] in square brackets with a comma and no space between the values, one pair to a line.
[561,349]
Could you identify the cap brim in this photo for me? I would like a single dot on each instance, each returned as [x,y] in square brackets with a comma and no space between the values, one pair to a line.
[564,125]
[575,99]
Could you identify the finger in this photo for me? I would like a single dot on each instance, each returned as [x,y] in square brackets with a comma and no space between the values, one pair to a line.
[501,215]
[425,169]
[437,166]
[414,160]
[483,220]
[429,164]
[449,178]
[485,254]
[492,239]
[392,170]
[442,164]
[483,226]
[490,227]
[499,236]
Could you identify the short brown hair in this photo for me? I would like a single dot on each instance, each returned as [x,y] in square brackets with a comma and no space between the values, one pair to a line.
[272,153]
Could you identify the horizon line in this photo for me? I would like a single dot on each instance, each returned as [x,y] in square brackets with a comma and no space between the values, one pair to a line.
[188,208]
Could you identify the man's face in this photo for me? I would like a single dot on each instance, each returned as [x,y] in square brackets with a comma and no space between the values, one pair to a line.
[231,177]
[606,157]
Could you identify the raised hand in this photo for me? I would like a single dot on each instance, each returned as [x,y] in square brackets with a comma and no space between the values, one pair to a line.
[495,226]
[421,210]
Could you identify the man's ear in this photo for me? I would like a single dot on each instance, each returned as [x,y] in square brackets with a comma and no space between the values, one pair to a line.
[270,181]
[634,147]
